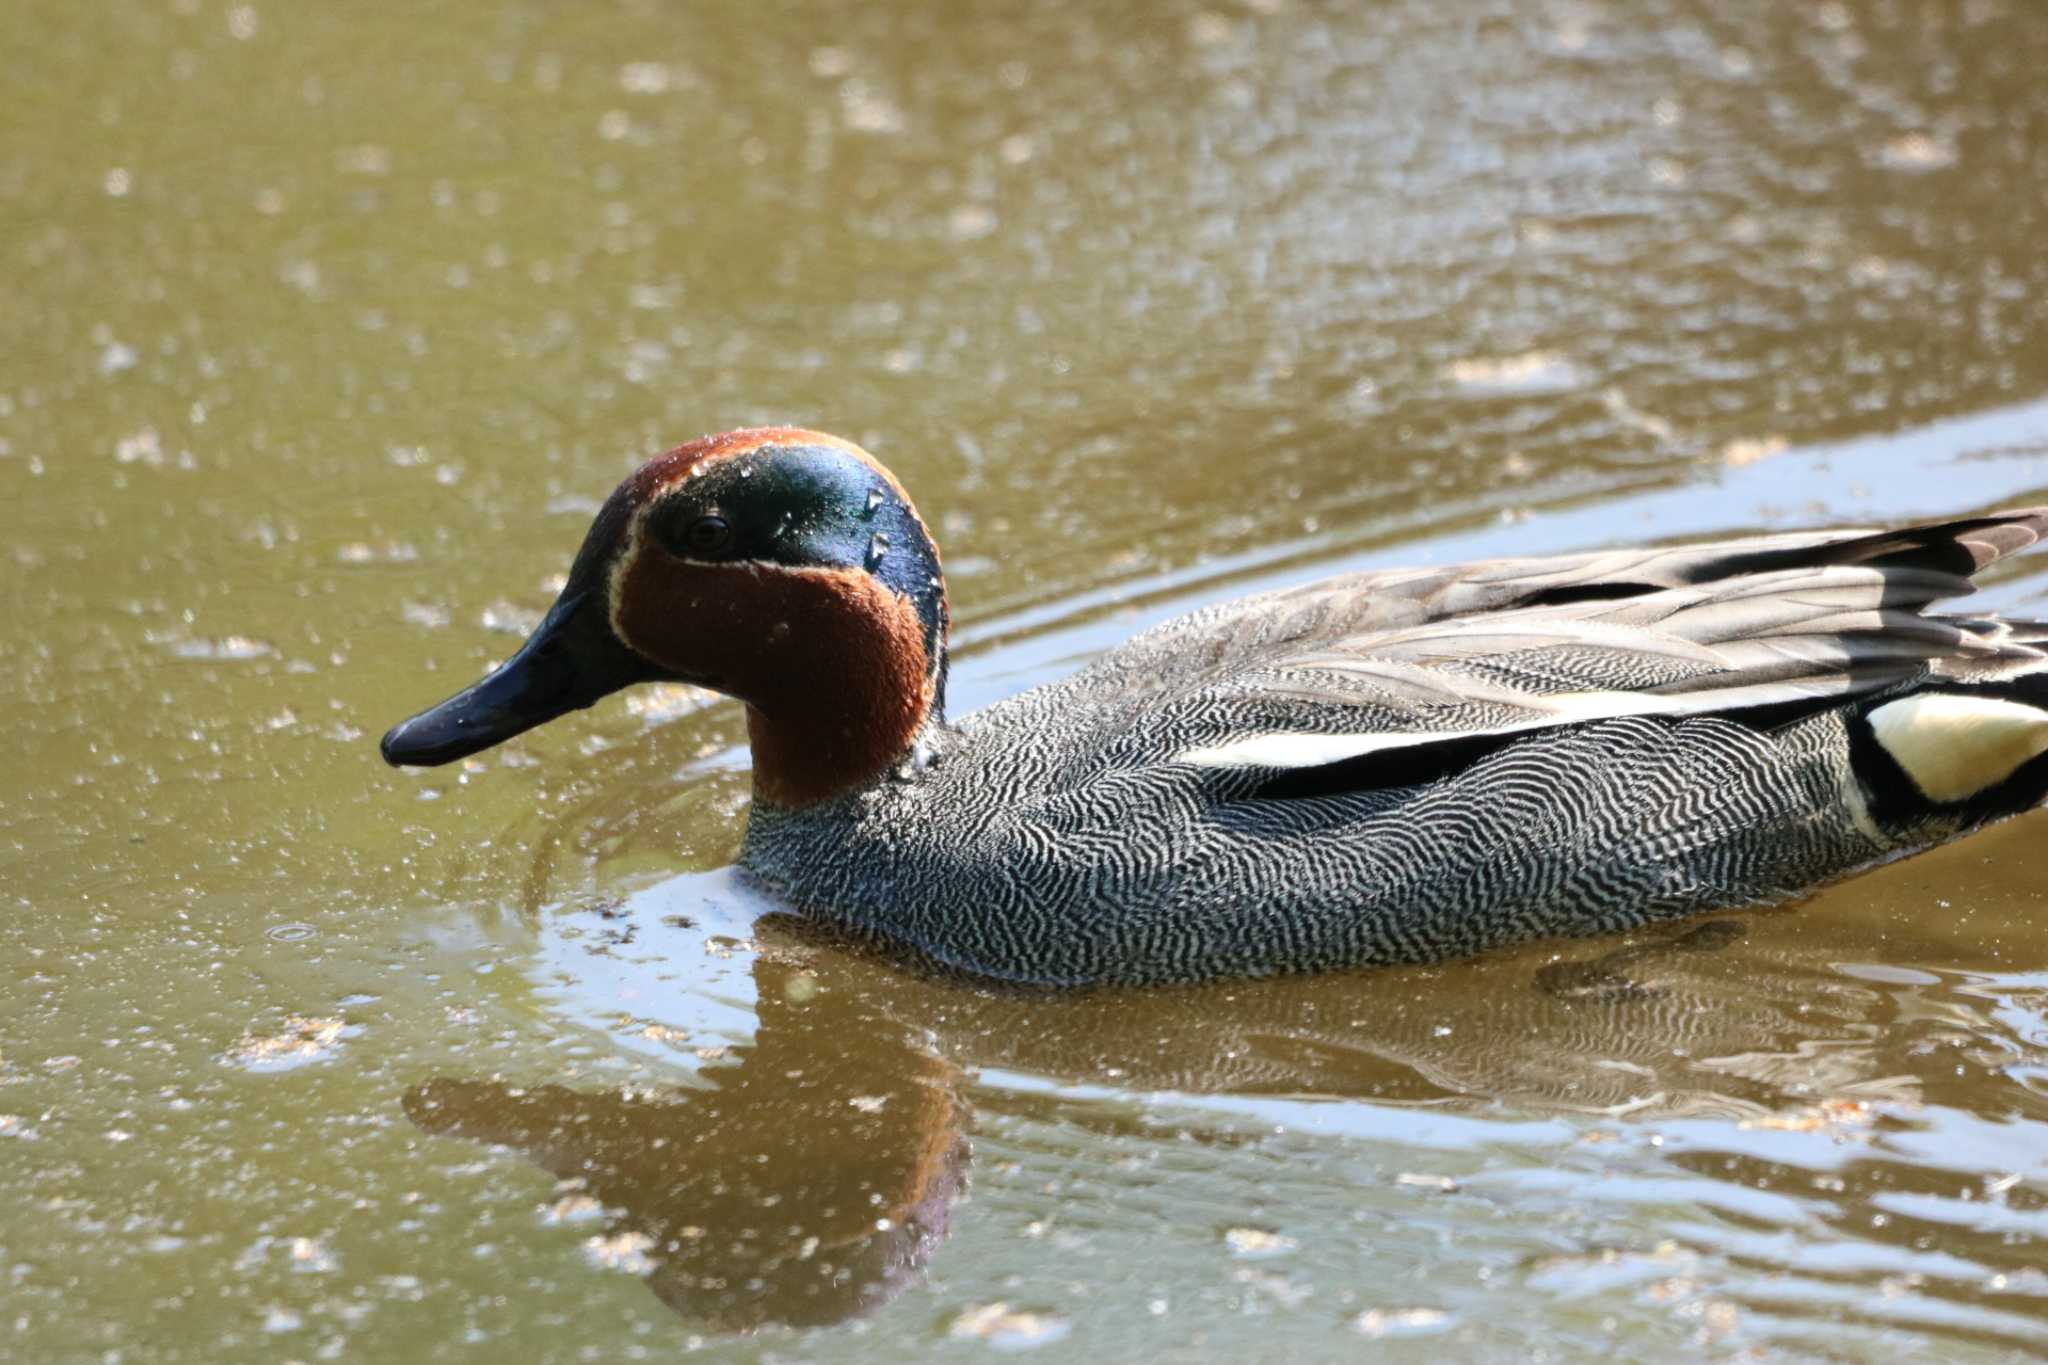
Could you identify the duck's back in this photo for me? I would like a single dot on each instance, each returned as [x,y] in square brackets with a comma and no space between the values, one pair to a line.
[1418,764]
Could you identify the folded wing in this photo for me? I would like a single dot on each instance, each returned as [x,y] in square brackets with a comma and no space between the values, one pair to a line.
[1330,692]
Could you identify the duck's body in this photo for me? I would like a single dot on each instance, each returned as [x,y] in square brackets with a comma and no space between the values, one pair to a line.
[1385,767]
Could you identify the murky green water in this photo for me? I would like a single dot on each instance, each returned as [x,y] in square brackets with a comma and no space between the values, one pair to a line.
[325,328]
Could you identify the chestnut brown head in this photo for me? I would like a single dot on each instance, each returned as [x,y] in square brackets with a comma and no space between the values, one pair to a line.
[783,567]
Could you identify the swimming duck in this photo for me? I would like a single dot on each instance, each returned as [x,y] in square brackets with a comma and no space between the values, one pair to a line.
[1391,766]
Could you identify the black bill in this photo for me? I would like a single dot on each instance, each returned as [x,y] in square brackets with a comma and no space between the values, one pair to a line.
[571,660]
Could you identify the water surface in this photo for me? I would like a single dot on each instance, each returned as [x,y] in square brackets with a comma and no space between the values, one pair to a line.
[327,329]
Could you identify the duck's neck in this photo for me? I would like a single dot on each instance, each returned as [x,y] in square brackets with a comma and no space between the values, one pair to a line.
[807,756]
[862,703]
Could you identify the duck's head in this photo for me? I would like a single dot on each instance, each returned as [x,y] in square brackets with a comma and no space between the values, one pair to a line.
[783,567]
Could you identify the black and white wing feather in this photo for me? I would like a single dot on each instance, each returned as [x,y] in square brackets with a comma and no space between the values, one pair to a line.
[1401,674]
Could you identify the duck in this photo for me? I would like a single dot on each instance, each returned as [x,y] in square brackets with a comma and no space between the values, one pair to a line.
[1390,766]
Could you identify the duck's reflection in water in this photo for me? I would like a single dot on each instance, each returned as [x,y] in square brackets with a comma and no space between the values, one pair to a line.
[804,1186]
[811,1175]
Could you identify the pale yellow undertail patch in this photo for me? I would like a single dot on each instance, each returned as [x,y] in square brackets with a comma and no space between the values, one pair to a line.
[1955,746]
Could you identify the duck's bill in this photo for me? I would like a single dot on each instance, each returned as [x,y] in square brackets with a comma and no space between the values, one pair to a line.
[571,660]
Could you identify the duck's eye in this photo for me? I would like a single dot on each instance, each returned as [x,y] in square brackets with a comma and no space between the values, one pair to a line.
[706,535]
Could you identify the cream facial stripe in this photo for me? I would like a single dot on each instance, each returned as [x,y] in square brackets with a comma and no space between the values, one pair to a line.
[1955,746]
[622,564]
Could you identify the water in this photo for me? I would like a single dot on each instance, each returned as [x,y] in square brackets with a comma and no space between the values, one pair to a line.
[325,333]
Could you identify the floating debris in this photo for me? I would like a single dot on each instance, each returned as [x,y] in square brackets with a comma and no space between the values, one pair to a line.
[304,1255]
[654,78]
[508,618]
[302,1040]
[1007,1328]
[1421,1180]
[309,1256]
[967,222]
[1753,448]
[622,1251]
[1400,1322]
[231,648]
[1257,1242]
[278,1318]
[666,701]
[1668,172]
[1917,152]
[723,946]
[389,552]
[145,447]
[1838,1116]
[15,1126]
[1529,372]
[572,1208]
[863,109]
[1628,414]
[663,1033]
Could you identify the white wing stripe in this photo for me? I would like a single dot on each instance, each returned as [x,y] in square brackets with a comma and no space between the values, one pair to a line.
[1282,749]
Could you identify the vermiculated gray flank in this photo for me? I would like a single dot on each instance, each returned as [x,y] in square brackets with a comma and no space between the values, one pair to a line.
[1554,746]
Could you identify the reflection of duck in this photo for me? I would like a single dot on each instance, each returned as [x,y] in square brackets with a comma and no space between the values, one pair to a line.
[1663,1025]
[1688,1018]
[813,1174]
[1386,767]
[1758,1019]
[805,1185]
